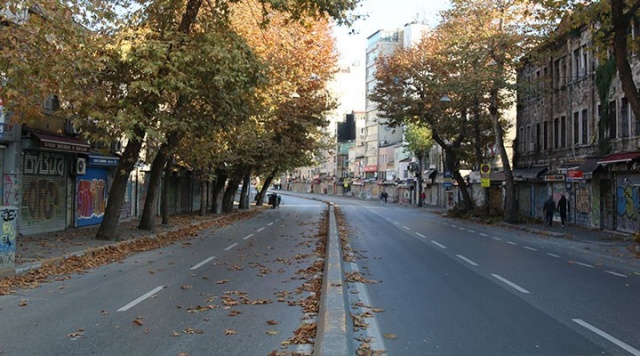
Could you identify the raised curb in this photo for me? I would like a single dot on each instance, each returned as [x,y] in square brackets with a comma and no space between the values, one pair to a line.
[333,335]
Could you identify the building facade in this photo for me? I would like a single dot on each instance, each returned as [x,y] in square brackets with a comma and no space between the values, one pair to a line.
[577,140]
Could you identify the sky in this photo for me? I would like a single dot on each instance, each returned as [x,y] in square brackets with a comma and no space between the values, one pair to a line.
[384,14]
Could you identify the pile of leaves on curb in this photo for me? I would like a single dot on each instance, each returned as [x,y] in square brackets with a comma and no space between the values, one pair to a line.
[184,229]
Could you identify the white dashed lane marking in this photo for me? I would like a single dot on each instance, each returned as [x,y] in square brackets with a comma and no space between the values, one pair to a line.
[510,284]
[202,263]
[467,260]
[231,246]
[141,298]
[438,244]
[612,339]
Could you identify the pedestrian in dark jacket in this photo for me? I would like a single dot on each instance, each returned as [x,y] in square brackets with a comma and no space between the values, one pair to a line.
[548,208]
[562,208]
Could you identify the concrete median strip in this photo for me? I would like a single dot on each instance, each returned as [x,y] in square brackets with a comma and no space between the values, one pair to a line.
[334,337]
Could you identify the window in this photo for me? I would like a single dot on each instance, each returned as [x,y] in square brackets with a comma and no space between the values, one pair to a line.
[523,146]
[585,128]
[528,140]
[556,133]
[576,127]
[559,72]
[576,64]
[563,131]
[585,60]
[537,136]
[613,124]
[545,138]
[624,117]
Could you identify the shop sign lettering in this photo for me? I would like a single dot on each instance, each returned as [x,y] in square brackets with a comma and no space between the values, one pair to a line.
[43,163]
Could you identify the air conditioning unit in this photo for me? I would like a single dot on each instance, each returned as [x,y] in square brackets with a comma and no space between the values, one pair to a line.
[80,166]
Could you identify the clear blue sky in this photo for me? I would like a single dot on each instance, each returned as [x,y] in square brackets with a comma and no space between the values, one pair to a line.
[385,14]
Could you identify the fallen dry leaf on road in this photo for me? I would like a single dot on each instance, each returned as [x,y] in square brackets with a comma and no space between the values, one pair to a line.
[76,334]
[22,303]
[272,322]
[222,281]
[138,321]
[272,332]
[175,333]
[390,336]
[229,332]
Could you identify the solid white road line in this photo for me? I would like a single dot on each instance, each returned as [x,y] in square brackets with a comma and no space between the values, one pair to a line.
[553,255]
[617,274]
[467,260]
[583,264]
[612,339]
[247,237]
[145,296]
[203,263]
[510,284]
[438,244]
[372,331]
[260,229]
[421,235]
[530,248]
[231,246]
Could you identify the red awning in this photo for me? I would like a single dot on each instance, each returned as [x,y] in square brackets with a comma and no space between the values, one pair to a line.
[61,143]
[619,157]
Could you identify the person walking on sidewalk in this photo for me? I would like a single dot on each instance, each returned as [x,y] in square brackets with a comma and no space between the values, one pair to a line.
[562,208]
[548,208]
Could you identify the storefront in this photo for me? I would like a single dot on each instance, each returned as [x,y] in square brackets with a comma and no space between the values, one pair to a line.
[92,189]
[47,162]
[622,203]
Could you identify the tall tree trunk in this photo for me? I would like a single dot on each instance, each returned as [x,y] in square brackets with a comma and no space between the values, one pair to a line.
[164,202]
[148,220]
[477,133]
[511,206]
[204,190]
[265,186]
[218,189]
[229,195]
[108,229]
[245,193]
[621,22]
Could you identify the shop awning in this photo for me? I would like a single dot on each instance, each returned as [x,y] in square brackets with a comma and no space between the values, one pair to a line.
[619,158]
[528,173]
[61,143]
[430,173]
[589,166]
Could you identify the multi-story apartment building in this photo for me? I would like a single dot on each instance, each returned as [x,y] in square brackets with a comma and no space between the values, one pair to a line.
[572,142]
[382,140]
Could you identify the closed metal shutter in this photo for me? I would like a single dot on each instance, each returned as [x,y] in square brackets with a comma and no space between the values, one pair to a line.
[43,206]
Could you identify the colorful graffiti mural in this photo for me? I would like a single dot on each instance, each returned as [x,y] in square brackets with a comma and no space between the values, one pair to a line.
[8,237]
[628,203]
[91,198]
[11,189]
